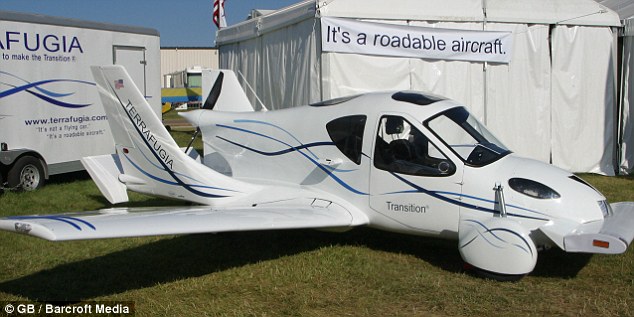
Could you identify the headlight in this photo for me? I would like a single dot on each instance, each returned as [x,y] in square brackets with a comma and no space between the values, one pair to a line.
[532,188]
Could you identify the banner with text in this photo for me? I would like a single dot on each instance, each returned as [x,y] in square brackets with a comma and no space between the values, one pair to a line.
[370,38]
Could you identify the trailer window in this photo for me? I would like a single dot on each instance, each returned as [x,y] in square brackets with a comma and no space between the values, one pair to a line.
[347,134]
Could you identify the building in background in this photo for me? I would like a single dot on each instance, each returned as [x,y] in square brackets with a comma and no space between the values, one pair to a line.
[181,70]
[177,59]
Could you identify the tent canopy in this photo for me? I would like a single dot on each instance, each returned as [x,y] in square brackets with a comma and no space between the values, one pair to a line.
[624,8]
[562,12]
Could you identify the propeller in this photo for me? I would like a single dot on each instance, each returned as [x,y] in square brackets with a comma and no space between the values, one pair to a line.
[209,104]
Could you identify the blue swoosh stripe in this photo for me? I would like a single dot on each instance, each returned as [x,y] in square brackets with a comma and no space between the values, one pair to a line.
[188,187]
[328,171]
[17,89]
[493,202]
[44,94]
[277,127]
[164,181]
[333,176]
[57,102]
[500,239]
[289,150]
[282,152]
[65,219]
[177,173]
[40,89]
[437,195]
[79,220]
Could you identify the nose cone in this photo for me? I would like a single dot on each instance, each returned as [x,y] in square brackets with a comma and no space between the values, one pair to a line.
[575,199]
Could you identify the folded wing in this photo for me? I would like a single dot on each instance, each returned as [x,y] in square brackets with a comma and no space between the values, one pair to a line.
[127,222]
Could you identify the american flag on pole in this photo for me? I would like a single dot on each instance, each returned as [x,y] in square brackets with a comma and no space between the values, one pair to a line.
[219,13]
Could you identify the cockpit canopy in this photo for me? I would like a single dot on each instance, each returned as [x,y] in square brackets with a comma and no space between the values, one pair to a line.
[467,137]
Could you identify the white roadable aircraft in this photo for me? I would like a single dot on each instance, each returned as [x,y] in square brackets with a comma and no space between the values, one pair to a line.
[403,161]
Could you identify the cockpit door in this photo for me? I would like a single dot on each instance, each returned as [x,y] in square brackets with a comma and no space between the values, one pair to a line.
[414,185]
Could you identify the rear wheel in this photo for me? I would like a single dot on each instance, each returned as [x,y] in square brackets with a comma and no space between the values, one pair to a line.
[27,174]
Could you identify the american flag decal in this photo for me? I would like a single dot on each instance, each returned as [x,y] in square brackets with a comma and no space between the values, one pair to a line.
[118,84]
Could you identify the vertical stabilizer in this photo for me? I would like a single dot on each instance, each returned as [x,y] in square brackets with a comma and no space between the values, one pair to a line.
[222,91]
[151,160]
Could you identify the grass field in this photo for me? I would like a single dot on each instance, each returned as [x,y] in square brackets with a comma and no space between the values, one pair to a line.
[362,272]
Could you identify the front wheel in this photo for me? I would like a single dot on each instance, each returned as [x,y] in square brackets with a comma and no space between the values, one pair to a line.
[27,173]
[492,275]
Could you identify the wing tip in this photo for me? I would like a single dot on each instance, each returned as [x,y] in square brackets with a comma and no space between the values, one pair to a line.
[27,228]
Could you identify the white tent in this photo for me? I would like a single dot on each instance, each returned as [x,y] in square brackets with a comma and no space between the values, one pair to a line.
[555,101]
[625,10]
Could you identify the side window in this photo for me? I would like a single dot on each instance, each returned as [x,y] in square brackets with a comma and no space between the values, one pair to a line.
[347,134]
[401,148]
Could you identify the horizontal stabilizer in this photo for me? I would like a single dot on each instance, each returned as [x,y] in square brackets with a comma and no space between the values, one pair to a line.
[105,171]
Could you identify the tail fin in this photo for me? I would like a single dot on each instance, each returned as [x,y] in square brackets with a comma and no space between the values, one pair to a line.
[216,89]
[151,161]
[224,92]
[222,95]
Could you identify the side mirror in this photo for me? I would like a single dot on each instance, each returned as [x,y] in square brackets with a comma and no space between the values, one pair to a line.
[446,167]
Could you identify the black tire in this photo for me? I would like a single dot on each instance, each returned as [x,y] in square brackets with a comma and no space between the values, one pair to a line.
[492,275]
[27,173]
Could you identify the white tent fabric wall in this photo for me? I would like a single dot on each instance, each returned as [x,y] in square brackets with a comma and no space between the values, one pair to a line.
[281,67]
[518,107]
[463,81]
[245,61]
[561,112]
[289,66]
[345,74]
[583,100]
[350,74]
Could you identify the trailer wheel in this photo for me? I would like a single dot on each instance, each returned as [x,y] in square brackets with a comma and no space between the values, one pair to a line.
[27,173]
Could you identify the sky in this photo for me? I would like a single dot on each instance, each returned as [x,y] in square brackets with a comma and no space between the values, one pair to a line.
[182,23]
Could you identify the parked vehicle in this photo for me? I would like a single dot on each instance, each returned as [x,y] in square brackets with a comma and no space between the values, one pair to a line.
[50,112]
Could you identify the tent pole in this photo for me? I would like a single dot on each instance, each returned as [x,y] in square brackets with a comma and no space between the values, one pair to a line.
[484,68]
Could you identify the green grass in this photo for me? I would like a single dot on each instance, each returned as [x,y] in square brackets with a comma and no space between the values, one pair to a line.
[362,272]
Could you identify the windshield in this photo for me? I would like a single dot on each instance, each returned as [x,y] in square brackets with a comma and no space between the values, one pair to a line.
[467,137]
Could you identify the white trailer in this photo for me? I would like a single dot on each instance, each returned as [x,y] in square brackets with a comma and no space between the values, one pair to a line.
[50,112]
